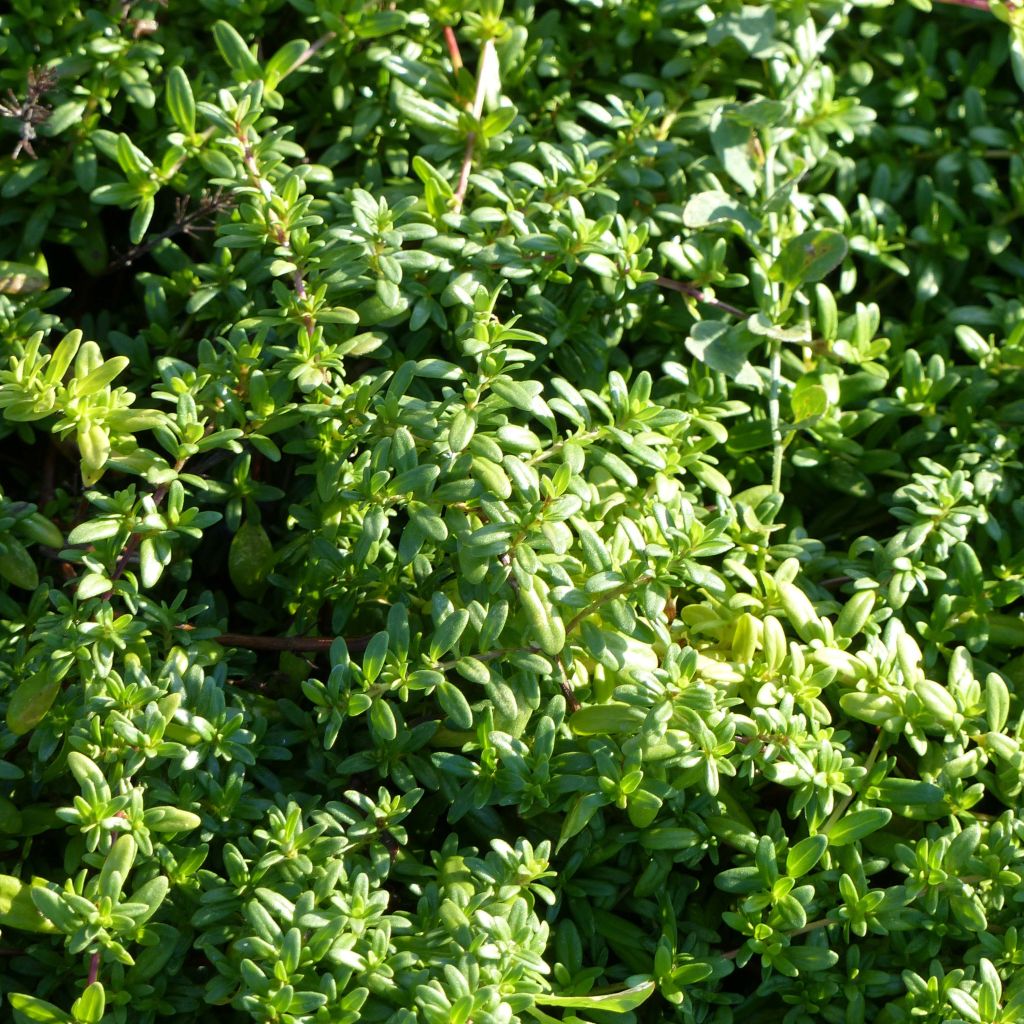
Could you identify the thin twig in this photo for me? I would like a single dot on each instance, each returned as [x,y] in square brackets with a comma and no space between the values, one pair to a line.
[31,111]
[309,51]
[974,5]
[694,292]
[290,643]
[186,222]
[467,163]
[835,582]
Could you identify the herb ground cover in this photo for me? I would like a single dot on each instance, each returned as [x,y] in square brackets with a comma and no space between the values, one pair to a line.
[511,513]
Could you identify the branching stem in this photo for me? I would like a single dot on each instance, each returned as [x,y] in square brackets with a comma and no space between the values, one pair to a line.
[136,538]
[694,292]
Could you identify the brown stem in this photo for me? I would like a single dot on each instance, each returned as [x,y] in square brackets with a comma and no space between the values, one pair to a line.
[834,582]
[570,698]
[694,292]
[467,163]
[290,643]
[608,595]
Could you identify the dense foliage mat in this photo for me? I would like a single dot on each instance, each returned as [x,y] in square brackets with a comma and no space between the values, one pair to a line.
[511,514]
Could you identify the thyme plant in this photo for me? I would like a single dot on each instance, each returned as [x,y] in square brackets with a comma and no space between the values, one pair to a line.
[511,513]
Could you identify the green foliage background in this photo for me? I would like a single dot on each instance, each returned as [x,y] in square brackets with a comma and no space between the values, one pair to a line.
[511,514]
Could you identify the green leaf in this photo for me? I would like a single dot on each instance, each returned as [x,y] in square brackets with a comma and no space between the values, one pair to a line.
[724,348]
[547,628]
[375,655]
[938,701]
[707,208]
[804,855]
[643,808]
[734,146]
[181,104]
[809,404]
[89,1007]
[604,719]
[908,792]
[446,634]
[17,565]
[171,819]
[233,49]
[382,718]
[101,377]
[17,910]
[94,448]
[580,813]
[455,705]
[669,838]
[809,257]
[812,958]
[752,27]
[250,559]
[31,701]
[63,117]
[623,1001]
[23,178]
[1017,51]
[139,224]
[30,1010]
[284,60]
[858,825]
[134,163]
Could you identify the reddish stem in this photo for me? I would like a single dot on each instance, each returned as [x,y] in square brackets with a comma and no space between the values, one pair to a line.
[467,166]
[309,51]
[694,292]
[453,47]
[94,969]
[974,5]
